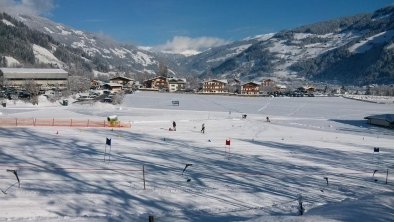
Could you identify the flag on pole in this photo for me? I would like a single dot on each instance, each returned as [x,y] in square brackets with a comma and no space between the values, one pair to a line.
[228,142]
[108,142]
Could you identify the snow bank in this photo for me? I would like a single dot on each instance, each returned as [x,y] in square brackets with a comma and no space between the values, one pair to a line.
[369,98]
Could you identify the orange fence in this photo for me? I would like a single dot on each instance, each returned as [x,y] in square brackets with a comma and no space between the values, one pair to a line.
[15,122]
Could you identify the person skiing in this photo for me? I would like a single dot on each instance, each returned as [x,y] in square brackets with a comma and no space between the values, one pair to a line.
[268,119]
[203,128]
[174,125]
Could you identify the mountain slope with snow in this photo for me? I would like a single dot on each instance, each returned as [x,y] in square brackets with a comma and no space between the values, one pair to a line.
[325,51]
[350,50]
[112,55]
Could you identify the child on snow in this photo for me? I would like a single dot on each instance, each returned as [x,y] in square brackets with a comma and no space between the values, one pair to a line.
[203,128]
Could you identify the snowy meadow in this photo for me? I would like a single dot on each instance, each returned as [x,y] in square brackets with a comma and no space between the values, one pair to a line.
[318,148]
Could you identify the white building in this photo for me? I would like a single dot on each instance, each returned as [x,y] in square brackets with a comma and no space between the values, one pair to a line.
[45,78]
[176,84]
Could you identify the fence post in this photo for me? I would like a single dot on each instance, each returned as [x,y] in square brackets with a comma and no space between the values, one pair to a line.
[151,218]
[53,121]
[88,123]
[143,174]
[34,121]
[104,123]
[16,121]
[387,174]
[71,123]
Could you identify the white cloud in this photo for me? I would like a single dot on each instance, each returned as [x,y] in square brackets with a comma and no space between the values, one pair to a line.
[30,7]
[190,46]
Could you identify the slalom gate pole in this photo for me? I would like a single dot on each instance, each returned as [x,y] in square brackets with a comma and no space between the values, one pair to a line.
[387,174]
[143,175]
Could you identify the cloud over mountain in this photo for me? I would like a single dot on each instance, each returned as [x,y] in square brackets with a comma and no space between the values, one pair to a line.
[31,7]
[189,46]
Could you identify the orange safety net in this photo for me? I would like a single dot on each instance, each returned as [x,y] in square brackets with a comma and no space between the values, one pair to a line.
[15,122]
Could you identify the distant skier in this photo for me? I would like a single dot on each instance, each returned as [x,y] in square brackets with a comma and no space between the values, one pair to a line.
[268,119]
[174,125]
[203,128]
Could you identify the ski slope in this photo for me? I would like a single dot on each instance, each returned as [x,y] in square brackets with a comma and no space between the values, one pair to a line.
[63,176]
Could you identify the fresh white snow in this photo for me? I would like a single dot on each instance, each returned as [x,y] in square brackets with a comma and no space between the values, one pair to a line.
[262,37]
[11,61]
[49,30]
[64,177]
[121,53]
[5,21]
[45,56]
[77,32]
[143,58]
[366,44]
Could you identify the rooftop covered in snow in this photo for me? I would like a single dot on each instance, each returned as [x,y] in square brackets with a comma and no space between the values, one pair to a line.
[32,73]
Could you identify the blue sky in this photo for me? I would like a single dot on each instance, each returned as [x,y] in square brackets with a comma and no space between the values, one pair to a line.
[156,22]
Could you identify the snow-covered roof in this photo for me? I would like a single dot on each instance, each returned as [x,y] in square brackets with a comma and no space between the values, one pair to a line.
[177,80]
[32,73]
[156,77]
[218,80]
[32,70]
[121,77]
[281,86]
[113,84]
[252,82]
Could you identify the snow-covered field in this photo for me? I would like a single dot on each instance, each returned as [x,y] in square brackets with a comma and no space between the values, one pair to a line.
[374,99]
[64,177]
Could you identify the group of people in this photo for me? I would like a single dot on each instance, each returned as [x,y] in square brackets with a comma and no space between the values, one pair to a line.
[174,127]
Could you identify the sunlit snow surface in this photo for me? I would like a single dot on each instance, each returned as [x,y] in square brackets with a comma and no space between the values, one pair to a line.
[64,178]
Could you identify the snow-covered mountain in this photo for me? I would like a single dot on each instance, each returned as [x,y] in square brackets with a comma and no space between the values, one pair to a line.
[113,55]
[355,50]
[350,50]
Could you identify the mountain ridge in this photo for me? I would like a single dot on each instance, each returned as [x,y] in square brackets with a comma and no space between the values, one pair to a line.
[348,50]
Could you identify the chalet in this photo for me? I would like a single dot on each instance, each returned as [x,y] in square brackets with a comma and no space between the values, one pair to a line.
[156,83]
[122,80]
[45,78]
[306,89]
[386,120]
[250,88]
[215,86]
[176,84]
[127,83]
[113,87]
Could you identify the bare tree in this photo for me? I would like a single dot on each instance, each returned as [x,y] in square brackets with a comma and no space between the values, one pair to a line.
[33,89]
[78,84]
[118,98]
[163,69]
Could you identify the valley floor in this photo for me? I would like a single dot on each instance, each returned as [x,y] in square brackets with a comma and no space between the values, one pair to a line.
[320,148]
